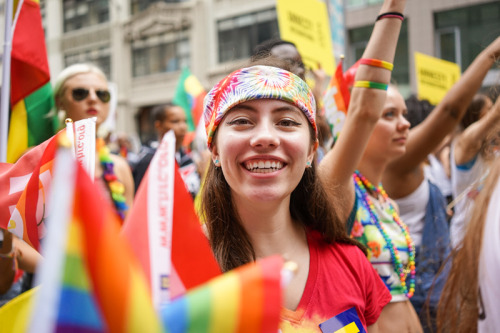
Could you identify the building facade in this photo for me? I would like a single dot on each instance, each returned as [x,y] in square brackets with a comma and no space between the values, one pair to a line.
[142,45]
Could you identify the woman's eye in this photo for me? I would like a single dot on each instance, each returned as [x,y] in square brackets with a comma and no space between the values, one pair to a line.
[389,114]
[288,123]
[239,121]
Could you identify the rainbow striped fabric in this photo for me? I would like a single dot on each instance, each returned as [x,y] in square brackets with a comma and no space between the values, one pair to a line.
[246,299]
[31,92]
[76,291]
[96,282]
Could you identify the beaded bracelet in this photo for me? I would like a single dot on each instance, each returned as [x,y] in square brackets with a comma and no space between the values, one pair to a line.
[377,63]
[370,84]
[391,15]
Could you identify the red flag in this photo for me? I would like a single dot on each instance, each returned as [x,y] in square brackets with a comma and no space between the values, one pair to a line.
[23,186]
[30,68]
[192,260]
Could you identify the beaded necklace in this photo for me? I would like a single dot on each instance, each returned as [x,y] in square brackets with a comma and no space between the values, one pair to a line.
[116,188]
[362,184]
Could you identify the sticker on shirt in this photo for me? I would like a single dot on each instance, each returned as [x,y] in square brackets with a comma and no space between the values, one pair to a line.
[345,322]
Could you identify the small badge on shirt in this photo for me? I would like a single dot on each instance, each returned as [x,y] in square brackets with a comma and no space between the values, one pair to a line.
[345,322]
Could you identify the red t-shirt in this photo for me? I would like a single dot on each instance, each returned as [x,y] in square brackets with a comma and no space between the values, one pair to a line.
[340,278]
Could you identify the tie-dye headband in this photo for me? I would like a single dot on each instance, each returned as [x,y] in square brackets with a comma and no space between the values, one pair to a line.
[257,82]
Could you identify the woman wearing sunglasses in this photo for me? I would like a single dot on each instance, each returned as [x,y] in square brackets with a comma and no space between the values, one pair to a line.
[81,91]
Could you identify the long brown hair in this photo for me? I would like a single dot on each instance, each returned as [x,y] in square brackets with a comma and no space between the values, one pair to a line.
[458,309]
[309,206]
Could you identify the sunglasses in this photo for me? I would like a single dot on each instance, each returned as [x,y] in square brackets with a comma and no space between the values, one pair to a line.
[79,94]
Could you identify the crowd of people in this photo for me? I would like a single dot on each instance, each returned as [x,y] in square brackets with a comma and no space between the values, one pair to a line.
[395,219]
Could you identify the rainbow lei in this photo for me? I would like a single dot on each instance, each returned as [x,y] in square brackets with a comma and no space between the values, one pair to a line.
[362,184]
[116,188]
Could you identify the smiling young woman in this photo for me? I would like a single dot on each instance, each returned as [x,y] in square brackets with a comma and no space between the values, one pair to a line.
[262,197]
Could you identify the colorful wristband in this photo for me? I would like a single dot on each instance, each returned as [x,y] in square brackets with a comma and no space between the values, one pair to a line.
[377,63]
[370,84]
[391,15]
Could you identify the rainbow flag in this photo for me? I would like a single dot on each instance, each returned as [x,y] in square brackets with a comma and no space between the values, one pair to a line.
[90,279]
[189,95]
[246,299]
[336,101]
[31,95]
[23,187]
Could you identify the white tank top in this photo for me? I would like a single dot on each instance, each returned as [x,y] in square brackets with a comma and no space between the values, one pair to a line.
[412,211]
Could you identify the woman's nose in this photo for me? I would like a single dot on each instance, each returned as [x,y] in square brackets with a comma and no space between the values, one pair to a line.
[92,94]
[403,124]
[265,136]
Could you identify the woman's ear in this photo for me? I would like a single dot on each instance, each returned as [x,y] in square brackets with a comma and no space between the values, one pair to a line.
[215,156]
[314,147]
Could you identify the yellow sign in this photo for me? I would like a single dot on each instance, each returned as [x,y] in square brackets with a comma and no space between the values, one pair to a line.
[305,23]
[434,77]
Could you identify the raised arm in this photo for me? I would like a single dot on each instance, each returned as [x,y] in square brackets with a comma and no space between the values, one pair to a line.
[424,138]
[469,142]
[365,108]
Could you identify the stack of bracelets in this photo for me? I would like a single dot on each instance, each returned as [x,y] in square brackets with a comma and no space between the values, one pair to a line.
[376,62]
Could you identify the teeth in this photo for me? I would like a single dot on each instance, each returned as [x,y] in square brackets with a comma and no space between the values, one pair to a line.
[264,166]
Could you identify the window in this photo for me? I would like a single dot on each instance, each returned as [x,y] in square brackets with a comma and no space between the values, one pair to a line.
[358,38]
[157,56]
[137,6]
[81,14]
[98,56]
[239,35]
[461,34]
[448,44]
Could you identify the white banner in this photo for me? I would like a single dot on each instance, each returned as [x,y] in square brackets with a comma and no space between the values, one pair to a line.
[160,217]
[85,149]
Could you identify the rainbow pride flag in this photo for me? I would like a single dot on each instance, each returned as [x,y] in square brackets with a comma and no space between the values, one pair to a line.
[246,299]
[90,279]
[31,92]
[189,95]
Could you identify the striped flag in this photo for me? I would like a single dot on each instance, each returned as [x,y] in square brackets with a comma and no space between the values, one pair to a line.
[23,187]
[31,92]
[336,101]
[164,231]
[90,279]
[189,95]
[246,299]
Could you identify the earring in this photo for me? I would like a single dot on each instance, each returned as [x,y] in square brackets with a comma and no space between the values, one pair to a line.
[217,162]
[308,164]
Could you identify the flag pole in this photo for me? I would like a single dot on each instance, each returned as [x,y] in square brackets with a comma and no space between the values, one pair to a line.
[5,94]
